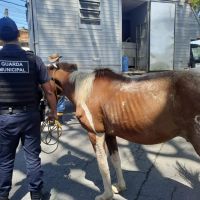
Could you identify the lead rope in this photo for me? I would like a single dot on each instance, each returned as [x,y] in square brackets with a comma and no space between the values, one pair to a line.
[51,128]
[53,131]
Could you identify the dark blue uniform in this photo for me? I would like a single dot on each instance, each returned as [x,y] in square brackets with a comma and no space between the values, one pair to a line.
[20,75]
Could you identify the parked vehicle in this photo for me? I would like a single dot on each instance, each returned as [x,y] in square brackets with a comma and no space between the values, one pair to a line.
[195,53]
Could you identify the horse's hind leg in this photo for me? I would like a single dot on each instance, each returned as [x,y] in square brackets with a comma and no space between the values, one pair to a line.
[115,159]
[98,142]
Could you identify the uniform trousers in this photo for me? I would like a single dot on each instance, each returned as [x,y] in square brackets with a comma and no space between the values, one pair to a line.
[24,126]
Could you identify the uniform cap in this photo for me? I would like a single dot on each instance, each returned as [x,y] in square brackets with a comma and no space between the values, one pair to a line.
[8,29]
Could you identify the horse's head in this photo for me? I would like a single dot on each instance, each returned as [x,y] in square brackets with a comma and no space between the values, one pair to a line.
[60,75]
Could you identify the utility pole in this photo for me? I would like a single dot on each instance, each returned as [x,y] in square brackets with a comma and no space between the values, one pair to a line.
[6,12]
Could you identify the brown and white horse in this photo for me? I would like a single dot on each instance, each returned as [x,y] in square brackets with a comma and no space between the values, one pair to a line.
[146,109]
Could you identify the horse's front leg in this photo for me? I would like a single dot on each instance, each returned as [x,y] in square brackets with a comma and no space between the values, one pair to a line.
[98,142]
[115,159]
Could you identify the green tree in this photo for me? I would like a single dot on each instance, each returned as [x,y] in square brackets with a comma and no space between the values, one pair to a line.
[195,4]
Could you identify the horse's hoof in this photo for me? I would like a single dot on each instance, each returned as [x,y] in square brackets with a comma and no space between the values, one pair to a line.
[117,189]
[104,197]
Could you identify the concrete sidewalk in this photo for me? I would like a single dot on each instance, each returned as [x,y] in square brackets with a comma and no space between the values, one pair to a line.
[168,171]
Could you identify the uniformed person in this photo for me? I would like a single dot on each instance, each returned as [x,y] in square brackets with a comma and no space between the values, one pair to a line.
[21,73]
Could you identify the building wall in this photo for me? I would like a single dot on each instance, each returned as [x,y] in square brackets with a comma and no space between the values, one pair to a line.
[23,38]
[187,28]
[57,30]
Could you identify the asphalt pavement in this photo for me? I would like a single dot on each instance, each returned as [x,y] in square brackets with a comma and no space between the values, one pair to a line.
[167,171]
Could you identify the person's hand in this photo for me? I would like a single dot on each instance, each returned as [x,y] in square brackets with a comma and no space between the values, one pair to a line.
[52,116]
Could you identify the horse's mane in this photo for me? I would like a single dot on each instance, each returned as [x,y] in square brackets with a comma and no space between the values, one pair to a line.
[83,85]
[108,73]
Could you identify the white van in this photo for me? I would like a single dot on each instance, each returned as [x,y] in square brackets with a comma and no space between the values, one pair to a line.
[195,53]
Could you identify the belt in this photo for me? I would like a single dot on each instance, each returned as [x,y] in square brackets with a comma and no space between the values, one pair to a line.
[13,110]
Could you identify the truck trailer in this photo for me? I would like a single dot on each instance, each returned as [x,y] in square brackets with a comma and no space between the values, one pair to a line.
[153,35]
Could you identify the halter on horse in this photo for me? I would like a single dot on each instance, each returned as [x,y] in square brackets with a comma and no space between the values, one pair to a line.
[147,109]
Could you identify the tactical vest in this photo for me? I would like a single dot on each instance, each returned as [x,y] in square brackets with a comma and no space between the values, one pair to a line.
[18,78]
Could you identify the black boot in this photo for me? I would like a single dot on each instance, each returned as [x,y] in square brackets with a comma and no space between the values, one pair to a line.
[36,195]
